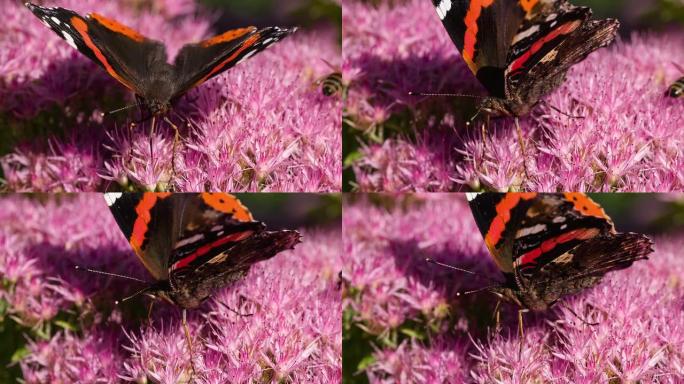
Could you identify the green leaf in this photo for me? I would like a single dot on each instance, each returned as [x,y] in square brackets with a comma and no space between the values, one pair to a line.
[19,354]
[66,325]
[366,362]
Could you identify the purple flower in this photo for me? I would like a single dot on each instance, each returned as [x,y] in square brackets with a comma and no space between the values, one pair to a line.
[293,333]
[422,332]
[262,126]
[628,139]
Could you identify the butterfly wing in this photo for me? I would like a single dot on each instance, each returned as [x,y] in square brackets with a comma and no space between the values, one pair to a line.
[126,55]
[584,265]
[548,45]
[498,215]
[197,63]
[146,221]
[483,32]
[526,230]
[217,243]
[554,224]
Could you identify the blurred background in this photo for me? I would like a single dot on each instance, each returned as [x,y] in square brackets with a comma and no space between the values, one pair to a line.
[639,14]
[294,210]
[303,13]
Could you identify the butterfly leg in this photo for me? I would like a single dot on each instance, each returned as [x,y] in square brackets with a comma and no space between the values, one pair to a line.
[235,311]
[176,139]
[149,312]
[585,321]
[497,316]
[521,143]
[521,331]
[152,124]
[189,341]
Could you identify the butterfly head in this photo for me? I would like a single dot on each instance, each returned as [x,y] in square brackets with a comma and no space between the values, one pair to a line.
[526,298]
[158,107]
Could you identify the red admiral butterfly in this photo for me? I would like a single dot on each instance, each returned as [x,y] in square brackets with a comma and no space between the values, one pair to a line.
[140,64]
[520,50]
[193,244]
[551,245]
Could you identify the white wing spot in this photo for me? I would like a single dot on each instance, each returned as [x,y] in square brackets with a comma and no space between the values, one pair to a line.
[112,197]
[471,196]
[69,39]
[443,8]
[56,20]
[526,33]
[189,240]
[247,56]
[530,231]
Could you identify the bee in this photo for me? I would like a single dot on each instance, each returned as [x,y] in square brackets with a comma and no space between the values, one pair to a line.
[332,84]
[676,90]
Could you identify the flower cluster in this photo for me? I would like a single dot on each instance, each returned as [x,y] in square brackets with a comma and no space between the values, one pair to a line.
[614,131]
[288,327]
[264,125]
[407,315]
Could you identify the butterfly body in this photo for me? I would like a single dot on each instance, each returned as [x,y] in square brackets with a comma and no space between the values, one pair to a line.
[142,65]
[520,50]
[551,245]
[194,244]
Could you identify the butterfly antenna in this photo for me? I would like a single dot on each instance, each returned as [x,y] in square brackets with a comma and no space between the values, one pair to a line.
[120,109]
[411,93]
[109,274]
[476,290]
[432,261]
[136,294]
[679,67]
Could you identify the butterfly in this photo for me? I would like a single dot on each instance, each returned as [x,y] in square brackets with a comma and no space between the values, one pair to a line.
[193,244]
[520,50]
[141,64]
[551,245]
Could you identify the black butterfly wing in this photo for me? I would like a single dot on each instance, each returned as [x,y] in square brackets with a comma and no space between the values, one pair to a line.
[125,54]
[538,62]
[217,245]
[228,264]
[483,32]
[146,220]
[207,224]
[197,63]
[584,265]
[523,231]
